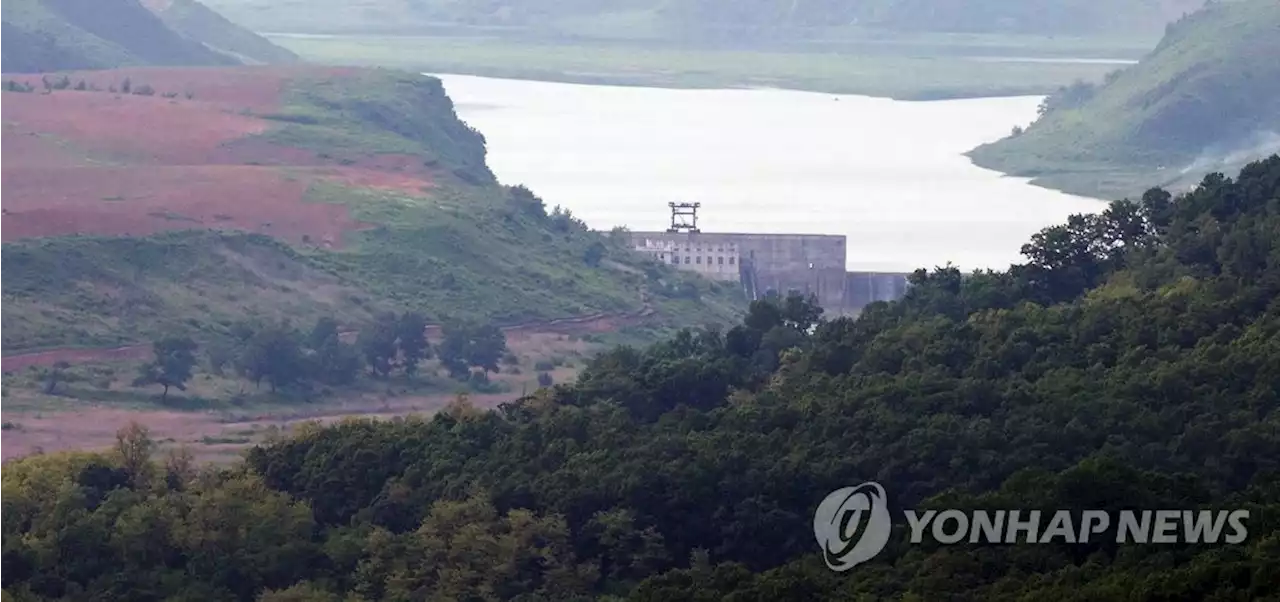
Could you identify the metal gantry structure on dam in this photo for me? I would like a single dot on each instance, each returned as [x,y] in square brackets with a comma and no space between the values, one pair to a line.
[680,211]
[760,262]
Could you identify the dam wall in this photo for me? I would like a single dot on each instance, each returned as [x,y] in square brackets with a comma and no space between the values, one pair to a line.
[808,263]
[865,288]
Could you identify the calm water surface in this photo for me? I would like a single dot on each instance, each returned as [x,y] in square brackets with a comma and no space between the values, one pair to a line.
[890,175]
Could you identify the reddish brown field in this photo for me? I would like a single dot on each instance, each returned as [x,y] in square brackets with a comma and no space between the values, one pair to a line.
[129,128]
[136,201]
[102,163]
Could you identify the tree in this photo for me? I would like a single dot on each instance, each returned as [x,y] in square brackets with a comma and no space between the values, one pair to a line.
[378,344]
[174,357]
[489,555]
[488,345]
[179,468]
[273,353]
[334,362]
[466,345]
[134,447]
[1067,97]
[326,328]
[411,336]
[301,592]
[594,254]
[454,348]
[800,312]
[526,202]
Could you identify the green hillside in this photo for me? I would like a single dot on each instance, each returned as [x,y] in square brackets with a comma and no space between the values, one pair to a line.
[466,248]
[54,35]
[1132,363]
[1207,98]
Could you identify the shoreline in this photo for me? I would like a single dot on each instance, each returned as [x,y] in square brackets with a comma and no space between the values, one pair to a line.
[914,73]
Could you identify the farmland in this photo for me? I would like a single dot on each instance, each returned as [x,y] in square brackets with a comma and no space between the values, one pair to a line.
[149,203]
[103,161]
[329,192]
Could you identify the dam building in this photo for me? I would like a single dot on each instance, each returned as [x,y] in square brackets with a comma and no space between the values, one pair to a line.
[807,263]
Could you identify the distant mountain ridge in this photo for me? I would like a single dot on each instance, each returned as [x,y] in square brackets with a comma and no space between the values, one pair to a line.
[55,35]
[676,18]
[1206,99]
[199,22]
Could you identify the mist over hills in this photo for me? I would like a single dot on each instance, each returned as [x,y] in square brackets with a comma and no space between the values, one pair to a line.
[53,35]
[679,18]
[1206,98]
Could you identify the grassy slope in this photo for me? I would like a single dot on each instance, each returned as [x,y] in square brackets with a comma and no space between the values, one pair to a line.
[199,22]
[380,111]
[469,249]
[1211,87]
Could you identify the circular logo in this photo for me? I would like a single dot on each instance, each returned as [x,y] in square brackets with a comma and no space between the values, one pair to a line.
[852,525]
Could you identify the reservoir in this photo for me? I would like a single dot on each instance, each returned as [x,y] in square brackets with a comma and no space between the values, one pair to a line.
[890,175]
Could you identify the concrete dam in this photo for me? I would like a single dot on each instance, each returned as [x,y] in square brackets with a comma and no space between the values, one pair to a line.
[807,263]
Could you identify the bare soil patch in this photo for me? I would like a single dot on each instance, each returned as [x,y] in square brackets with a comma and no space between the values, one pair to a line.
[136,201]
[128,127]
[95,162]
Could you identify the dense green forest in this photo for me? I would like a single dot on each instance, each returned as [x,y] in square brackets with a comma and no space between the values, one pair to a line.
[1207,98]
[1133,361]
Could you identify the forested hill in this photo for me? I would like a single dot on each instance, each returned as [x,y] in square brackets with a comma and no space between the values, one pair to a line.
[1207,98]
[665,19]
[55,35]
[1133,362]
